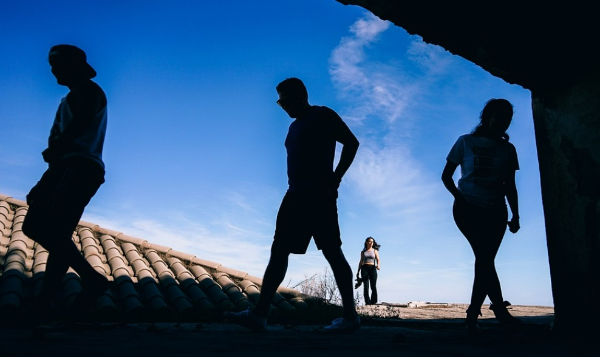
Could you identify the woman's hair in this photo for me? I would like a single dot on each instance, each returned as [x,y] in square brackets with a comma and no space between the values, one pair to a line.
[375,245]
[493,106]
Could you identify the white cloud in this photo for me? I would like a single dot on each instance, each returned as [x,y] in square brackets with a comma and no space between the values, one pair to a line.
[390,177]
[385,172]
[379,94]
[432,59]
[369,27]
[230,236]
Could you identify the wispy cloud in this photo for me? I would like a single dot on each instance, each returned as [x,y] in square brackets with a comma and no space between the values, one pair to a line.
[350,53]
[391,178]
[18,160]
[385,171]
[230,236]
[380,95]
[431,59]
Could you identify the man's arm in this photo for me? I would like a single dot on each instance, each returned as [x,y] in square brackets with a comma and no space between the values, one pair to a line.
[350,146]
[349,150]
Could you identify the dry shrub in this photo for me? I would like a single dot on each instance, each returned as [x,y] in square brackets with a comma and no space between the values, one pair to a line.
[323,286]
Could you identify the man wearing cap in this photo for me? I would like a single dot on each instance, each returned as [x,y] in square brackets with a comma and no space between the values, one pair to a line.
[309,207]
[75,172]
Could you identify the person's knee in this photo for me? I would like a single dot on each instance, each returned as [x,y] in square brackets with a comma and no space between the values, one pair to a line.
[333,254]
[28,229]
[277,262]
[279,255]
[32,229]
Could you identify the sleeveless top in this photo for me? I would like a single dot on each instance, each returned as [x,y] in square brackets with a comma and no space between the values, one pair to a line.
[369,256]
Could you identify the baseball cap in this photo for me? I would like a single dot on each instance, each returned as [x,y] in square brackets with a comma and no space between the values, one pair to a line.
[72,55]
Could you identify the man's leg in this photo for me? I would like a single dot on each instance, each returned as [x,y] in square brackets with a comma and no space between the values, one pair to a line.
[274,275]
[256,319]
[56,268]
[93,283]
[53,276]
[63,253]
[343,278]
[60,205]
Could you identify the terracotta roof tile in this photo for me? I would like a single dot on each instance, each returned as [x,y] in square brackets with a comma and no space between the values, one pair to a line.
[147,279]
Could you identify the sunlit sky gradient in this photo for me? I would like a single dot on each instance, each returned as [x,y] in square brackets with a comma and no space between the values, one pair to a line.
[194,149]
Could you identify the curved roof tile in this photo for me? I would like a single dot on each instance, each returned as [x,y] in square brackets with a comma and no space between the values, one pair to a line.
[146,278]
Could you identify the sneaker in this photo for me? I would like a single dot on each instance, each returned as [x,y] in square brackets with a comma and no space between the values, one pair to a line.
[343,325]
[247,319]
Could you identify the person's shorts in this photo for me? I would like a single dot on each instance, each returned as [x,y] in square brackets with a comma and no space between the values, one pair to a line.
[57,201]
[304,215]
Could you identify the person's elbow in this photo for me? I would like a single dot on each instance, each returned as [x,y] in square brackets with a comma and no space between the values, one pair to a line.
[352,144]
[511,189]
[510,185]
[448,172]
[446,179]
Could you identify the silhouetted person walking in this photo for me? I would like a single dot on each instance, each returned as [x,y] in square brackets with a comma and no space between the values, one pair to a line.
[488,162]
[309,207]
[75,172]
[367,268]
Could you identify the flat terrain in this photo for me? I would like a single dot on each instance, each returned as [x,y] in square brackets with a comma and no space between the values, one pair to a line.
[432,330]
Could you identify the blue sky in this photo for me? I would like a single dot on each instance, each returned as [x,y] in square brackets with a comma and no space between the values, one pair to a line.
[194,149]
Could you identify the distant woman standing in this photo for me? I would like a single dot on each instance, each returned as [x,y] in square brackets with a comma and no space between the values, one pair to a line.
[488,163]
[367,268]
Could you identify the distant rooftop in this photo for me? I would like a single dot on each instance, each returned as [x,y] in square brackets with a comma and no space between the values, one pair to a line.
[147,279]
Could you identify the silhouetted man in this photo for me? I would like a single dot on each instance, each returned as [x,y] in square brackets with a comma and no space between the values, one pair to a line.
[75,172]
[309,208]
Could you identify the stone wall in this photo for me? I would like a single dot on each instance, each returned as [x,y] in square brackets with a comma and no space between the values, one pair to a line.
[567,127]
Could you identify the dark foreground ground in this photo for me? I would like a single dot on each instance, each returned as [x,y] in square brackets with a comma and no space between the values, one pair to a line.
[386,331]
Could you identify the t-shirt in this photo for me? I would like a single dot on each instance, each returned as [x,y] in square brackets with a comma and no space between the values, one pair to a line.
[484,164]
[310,145]
[89,143]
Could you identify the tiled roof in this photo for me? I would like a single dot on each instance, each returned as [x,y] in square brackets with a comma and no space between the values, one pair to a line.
[147,279]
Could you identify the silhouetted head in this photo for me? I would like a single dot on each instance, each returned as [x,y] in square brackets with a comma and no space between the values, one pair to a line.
[495,117]
[293,96]
[69,64]
[370,242]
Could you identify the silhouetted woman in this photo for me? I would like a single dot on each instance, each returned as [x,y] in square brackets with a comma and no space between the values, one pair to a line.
[488,162]
[367,268]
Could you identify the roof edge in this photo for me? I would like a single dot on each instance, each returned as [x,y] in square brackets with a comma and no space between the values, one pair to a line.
[12,200]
